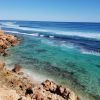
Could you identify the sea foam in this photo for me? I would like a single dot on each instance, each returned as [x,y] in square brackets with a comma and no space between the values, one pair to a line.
[89,52]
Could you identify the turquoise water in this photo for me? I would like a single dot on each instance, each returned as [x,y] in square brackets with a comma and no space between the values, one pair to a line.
[67,53]
[64,64]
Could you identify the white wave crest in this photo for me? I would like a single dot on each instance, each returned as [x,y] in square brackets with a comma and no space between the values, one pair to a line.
[66,33]
[34,34]
[83,51]
[11,31]
[61,44]
[41,35]
[51,36]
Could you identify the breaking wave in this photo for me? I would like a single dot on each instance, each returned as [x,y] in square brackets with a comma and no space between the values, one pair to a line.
[16,32]
[65,33]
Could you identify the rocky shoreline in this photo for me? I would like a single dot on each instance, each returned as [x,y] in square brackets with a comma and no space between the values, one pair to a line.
[6,41]
[15,85]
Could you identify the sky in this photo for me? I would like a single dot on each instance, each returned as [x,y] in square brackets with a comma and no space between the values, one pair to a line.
[51,10]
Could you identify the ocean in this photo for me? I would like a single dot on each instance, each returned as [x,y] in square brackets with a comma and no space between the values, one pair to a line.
[65,52]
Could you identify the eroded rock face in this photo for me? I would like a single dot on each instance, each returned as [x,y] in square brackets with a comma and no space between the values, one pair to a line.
[66,93]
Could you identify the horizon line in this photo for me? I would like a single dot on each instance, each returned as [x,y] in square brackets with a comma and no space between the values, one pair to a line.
[48,21]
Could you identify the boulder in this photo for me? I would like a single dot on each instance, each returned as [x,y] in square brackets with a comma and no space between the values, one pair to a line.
[2,64]
[49,85]
[17,68]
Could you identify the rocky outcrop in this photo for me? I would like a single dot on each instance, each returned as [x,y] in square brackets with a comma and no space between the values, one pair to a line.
[66,93]
[6,40]
[27,89]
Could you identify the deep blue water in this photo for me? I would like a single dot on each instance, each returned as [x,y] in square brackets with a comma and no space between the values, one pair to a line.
[67,52]
[84,35]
